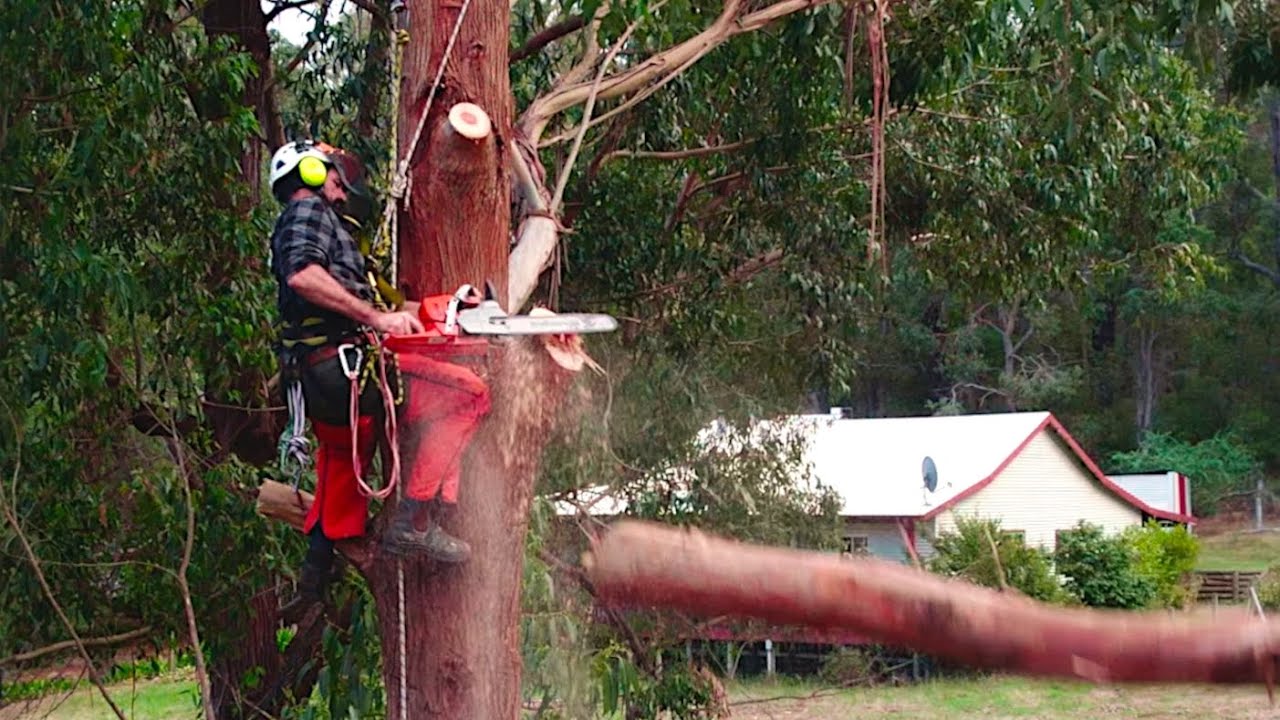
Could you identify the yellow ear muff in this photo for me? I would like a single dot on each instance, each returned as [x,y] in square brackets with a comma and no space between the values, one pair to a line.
[312,171]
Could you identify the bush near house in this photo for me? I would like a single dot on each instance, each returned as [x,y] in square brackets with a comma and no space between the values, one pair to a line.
[967,553]
[1102,570]
[1167,557]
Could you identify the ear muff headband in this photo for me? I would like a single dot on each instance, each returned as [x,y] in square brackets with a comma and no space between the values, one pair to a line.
[312,171]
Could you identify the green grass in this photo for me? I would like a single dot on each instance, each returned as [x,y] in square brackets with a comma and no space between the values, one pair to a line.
[1239,550]
[167,698]
[993,698]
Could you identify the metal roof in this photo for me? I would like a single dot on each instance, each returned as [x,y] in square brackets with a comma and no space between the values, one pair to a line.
[875,464]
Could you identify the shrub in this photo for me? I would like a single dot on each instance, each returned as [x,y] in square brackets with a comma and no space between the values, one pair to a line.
[1166,556]
[852,666]
[1101,570]
[1269,588]
[967,553]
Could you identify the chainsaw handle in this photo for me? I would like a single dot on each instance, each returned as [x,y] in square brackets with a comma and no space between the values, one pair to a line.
[459,297]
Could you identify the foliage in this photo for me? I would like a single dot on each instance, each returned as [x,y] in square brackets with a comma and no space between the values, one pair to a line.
[1269,588]
[1166,557]
[1102,570]
[679,692]
[967,553]
[1216,467]
[853,667]
[349,684]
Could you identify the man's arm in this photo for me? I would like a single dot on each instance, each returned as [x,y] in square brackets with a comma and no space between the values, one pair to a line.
[318,287]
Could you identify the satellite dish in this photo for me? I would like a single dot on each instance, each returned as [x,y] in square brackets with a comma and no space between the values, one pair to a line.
[930,472]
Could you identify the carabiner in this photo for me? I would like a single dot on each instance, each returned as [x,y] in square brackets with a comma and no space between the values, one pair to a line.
[350,369]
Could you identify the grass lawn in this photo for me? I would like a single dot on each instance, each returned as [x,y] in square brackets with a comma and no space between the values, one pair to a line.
[997,698]
[994,698]
[1239,550]
[171,698]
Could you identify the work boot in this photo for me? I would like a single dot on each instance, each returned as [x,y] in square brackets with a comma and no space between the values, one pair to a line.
[310,592]
[404,538]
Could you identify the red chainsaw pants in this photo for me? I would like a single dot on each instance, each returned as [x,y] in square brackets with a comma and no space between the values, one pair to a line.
[442,407]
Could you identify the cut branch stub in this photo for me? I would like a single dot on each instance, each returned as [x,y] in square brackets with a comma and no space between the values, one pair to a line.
[643,564]
[470,121]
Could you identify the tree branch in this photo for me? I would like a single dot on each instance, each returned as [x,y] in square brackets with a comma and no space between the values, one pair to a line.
[661,66]
[58,647]
[1269,273]
[547,36]
[34,561]
[558,194]
[285,6]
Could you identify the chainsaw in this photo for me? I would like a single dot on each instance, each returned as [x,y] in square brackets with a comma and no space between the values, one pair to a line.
[488,318]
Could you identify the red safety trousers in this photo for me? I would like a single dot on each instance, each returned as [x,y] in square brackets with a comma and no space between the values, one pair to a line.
[443,405]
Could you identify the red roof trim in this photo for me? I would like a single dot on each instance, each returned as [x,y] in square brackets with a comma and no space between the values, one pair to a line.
[1052,422]
[987,480]
[1107,482]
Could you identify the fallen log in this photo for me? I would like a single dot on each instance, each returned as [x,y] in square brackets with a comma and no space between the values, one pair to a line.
[644,564]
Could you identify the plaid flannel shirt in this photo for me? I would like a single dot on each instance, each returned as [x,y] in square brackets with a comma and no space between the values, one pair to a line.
[309,232]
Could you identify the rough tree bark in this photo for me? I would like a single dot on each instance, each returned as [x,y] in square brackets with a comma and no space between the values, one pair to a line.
[462,657]
[649,565]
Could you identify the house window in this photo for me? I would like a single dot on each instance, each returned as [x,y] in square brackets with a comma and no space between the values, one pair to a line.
[856,545]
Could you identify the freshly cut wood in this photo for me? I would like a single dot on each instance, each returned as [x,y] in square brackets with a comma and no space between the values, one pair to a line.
[279,502]
[469,121]
[644,564]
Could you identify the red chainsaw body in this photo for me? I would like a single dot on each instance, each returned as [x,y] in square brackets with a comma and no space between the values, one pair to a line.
[440,339]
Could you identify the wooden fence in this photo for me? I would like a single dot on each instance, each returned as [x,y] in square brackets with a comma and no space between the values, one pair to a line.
[1228,586]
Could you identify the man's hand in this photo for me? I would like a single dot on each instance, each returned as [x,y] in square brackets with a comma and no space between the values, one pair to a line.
[397,323]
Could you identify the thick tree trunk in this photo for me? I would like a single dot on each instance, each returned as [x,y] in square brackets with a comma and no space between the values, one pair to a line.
[457,227]
[461,625]
[649,565]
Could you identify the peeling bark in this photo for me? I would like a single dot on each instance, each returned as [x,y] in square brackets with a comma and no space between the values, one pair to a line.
[644,564]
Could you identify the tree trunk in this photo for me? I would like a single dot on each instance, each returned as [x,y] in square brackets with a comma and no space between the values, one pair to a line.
[649,565]
[461,631]
[457,226]
[1145,380]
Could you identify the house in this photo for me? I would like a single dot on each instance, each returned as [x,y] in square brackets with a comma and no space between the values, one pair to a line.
[1165,490]
[1023,469]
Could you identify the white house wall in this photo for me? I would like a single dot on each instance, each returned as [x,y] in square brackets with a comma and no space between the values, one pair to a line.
[1043,490]
[884,539]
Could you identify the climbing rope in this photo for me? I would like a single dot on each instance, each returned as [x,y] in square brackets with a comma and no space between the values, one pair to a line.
[294,446]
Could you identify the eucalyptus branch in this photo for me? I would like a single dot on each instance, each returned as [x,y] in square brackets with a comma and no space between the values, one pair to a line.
[281,7]
[58,647]
[202,670]
[547,36]
[1269,273]
[563,180]
[34,561]
[661,66]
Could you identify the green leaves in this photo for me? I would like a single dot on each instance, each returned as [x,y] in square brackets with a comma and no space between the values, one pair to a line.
[1101,570]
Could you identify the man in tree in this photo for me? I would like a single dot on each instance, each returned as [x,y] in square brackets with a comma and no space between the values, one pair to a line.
[329,307]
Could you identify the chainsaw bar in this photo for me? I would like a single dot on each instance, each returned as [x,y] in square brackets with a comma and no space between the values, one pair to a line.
[489,319]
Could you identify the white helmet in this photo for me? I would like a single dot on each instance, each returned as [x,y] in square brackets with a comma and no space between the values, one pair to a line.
[312,163]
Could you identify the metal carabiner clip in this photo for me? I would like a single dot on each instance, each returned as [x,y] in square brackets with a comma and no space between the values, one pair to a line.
[349,368]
